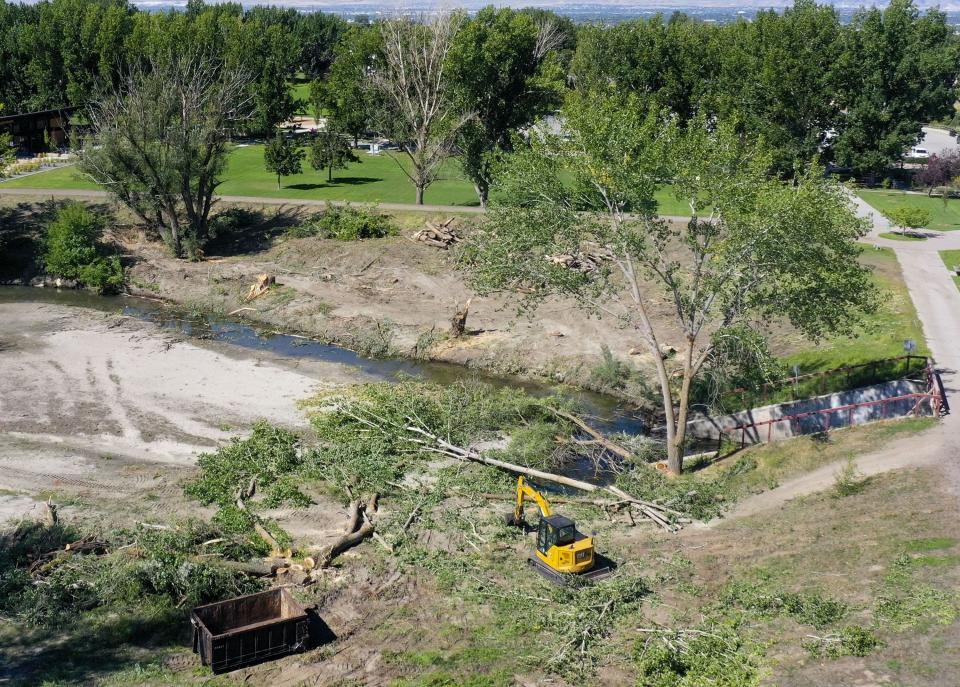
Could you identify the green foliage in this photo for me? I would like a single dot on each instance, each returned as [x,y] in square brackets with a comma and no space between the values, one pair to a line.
[610,373]
[346,223]
[699,498]
[853,640]
[143,567]
[849,481]
[713,654]
[499,75]
[73,250]
[330,151]
[903,603]
[351,456]
[908,216]
[283,157]
[804,607]
[270,456]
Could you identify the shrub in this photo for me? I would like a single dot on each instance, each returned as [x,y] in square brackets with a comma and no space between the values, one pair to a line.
[346,223]
[849,641]
[73,250]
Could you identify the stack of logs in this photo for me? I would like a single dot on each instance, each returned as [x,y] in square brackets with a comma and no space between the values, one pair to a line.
[441,235]
[581,261]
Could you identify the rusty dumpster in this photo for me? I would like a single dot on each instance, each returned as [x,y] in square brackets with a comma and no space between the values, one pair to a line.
[249,629]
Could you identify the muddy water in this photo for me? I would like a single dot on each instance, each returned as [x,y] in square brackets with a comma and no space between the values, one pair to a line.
[608,413]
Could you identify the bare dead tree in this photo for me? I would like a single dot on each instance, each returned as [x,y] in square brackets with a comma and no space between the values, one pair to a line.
[159,142]
[420,113]
[549,37]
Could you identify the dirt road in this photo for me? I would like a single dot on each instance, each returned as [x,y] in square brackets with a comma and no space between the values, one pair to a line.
[108,405]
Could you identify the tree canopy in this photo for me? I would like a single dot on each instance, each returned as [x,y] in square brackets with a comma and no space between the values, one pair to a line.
[576,216]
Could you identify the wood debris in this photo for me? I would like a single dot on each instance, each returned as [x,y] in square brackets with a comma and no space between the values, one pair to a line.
[262,285]
[439,234]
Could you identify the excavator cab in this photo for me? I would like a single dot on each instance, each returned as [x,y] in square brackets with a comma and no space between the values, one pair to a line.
[562,547]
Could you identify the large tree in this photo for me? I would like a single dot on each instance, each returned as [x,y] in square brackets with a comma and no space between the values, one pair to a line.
[578,219]
[159,143]
[420,112]
[897,70]
[501,72]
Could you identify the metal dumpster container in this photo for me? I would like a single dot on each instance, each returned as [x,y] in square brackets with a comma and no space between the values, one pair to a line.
[248,629]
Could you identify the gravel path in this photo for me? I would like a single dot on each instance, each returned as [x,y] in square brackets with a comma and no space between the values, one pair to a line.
[937,300]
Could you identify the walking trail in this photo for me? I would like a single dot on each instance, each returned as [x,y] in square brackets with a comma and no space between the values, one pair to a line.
[937,300]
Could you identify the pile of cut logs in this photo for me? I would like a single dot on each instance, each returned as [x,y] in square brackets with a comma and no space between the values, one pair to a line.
[441,235]
[581,262]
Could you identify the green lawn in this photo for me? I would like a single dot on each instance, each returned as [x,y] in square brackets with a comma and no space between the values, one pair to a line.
[376,179]
[882,334]
[896,236]
[301,91]
[943,219]
[951,258]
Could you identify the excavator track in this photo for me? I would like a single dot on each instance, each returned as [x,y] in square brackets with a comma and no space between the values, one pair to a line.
[601,570]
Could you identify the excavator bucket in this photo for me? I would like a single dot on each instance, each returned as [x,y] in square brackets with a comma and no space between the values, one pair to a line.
[603,568]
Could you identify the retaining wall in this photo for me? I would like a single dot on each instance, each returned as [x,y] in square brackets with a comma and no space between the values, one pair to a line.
[707,427]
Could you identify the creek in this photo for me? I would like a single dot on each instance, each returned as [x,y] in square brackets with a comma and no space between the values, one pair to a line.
[607,413]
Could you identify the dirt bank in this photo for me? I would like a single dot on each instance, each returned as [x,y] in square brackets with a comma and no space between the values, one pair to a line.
[108,406]
[383,296]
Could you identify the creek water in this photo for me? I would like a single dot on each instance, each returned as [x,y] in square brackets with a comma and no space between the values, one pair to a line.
[606,412]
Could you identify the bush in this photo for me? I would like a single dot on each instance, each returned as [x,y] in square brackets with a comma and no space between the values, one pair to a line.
[143,568]
[346,223]
[73,250]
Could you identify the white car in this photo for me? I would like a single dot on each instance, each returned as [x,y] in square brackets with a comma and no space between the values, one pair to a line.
[919,153]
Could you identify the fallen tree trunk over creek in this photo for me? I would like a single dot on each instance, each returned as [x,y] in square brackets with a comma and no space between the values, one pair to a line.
[434,444]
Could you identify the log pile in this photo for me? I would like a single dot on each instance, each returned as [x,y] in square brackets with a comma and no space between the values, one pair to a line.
[586,263]
[439,234]
[262,285]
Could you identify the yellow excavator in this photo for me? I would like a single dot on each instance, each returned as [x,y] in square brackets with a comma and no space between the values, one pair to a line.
[562,552]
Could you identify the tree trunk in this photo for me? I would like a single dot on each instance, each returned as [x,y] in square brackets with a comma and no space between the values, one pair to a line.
[419,195]
[278,182]
[458,324]
[330,174]
[483,193]
[683,407]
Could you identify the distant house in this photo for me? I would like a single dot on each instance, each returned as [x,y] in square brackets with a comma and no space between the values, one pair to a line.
[33,131]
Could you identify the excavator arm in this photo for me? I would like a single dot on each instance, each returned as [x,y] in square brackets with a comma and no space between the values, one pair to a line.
[525,492]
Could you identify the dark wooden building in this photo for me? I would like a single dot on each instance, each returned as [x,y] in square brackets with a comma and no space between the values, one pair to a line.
[32,131]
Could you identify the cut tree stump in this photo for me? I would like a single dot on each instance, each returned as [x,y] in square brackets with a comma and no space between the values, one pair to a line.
[458,325]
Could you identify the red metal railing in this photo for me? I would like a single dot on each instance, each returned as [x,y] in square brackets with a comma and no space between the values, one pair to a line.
[766,390]
[934,395]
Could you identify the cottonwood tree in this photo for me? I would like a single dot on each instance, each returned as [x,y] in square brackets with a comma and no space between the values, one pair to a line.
[578,218]
[500,73]
[420,112]
[159,143]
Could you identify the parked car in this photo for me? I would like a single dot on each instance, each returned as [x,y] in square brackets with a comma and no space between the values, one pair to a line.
[919,153]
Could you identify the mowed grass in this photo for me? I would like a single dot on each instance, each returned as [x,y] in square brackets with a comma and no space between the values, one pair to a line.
[951,258]
[896,236]
[941,218]
[880,335]
[375,179]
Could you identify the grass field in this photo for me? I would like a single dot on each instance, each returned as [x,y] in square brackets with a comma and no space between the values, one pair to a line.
[896,236]
[942,219]
[376,179]
[951,258]
[881,335]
